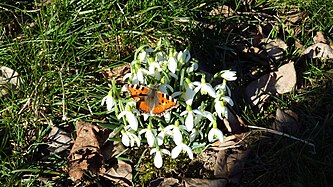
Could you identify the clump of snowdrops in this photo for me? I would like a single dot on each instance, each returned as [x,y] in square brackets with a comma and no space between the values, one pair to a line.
[183,129]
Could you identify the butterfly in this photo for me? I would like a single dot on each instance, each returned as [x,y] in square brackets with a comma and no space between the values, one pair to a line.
[150,100]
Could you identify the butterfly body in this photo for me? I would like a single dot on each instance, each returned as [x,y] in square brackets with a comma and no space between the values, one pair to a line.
[150,100]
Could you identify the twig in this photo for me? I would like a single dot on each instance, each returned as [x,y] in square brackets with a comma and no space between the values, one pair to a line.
[283,134]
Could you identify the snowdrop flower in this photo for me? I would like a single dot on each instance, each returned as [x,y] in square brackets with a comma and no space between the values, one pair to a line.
[160,136]
[189,92]
[137,74]
[175,151]
[155,69]
[204,87]
[195,133]
[130,118]
[220,107]
[222,88]
[189,120]
[184,56]
[110,101]
[174,131]
[129,139]
[158,160]
[229,75]
[172,61]
[149,135]
[215,132]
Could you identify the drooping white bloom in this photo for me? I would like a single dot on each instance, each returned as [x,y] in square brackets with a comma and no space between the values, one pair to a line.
[149,135]
[229,75]
[130,118]
[155,69]
[204,88]
[214,134]
[195,133]
[189,92]
[191,115]
[110,102]
[176,151]
[129,139]
[220,106]
[158,159]
[174,132]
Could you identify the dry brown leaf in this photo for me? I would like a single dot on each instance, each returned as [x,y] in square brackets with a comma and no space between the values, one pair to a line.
[286,121]
[320,38]
[258,91]
[111,149]
[319,50]
[222,10]
[230,164]
[85,154]
[274,48]
[164,182]
[281,81]
[233,124]
[116,73]
[285,78]
[120,173]
[58,139]
[194,182]
[9,79]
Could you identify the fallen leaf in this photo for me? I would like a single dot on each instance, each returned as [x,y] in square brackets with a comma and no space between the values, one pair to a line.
[85,154]
[222,10]
[274,48]
[9,80]
[319,50]
[58,140]
[164,182]
[286,121]
[285,78]
[116,73]
[281,81]
[233,123]
[195,182]
[230,164]
[258,91]
[120,173]
[320,38]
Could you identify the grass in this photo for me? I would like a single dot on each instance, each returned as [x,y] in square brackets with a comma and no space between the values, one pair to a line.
[59,48]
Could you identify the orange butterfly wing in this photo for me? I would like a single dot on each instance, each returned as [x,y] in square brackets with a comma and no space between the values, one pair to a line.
[166,103]
[139,93]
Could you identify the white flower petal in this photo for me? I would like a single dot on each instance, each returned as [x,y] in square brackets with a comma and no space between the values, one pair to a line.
[175,151]
[186,55]
[121,114]
[228,100]
[110,102]
[160,138]
[153,151]
[177,136]
[125,139]
[172,65]
[211,134]
[128,75]
[189,121]
[132,120]
[209,89]
[165,151]
[189,96]
[188,150]
[229,75]
[215,132]
[158,161]
[150,138]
